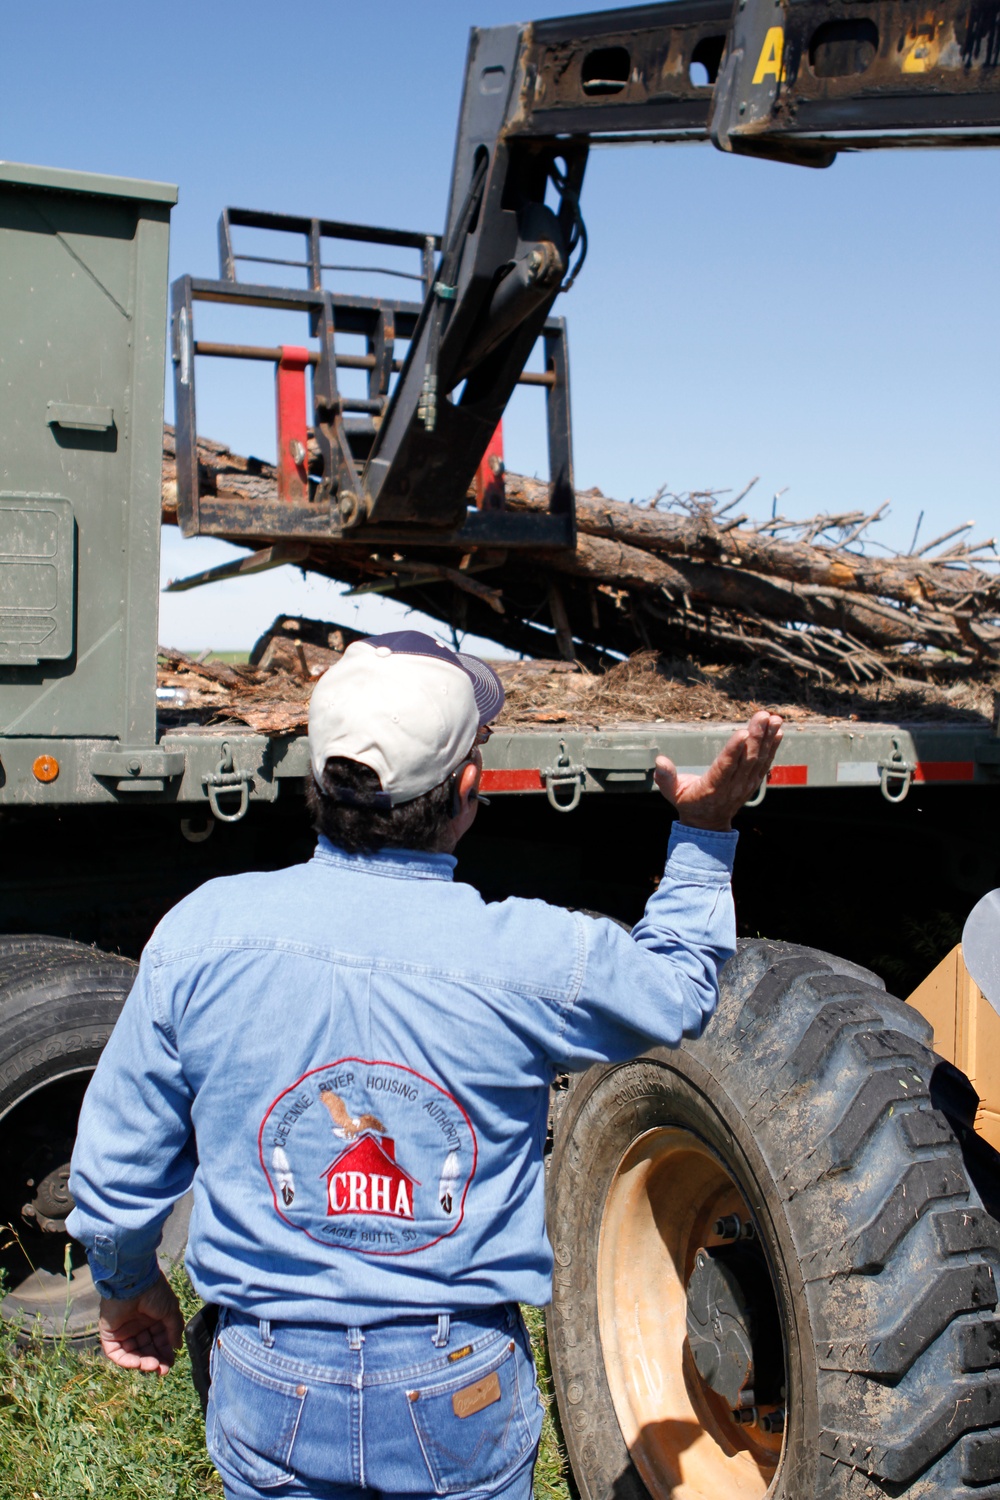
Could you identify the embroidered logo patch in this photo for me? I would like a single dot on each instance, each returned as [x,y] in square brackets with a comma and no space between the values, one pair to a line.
[370,1156]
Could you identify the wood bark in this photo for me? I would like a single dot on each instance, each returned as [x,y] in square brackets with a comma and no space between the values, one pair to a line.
[689,581]
[623,566]
[908,580]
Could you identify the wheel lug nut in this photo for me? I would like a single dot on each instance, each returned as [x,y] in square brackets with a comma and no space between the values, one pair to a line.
[774,1421]
[745,1416]
[732,1227]
[728,1228]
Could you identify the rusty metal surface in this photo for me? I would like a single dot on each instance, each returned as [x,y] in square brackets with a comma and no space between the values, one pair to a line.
[860,74]
[887,73]
[647,53]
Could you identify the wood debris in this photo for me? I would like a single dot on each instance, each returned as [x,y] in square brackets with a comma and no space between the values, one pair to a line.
[271,694]
[740,611]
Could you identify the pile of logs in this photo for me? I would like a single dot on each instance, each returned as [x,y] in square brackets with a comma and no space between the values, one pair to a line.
[689,575]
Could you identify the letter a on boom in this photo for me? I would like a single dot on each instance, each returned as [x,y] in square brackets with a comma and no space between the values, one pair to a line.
[769,61]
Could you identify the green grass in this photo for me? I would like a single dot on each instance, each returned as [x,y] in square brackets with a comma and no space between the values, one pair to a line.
[551,1470]
[73,1427]
[231,658]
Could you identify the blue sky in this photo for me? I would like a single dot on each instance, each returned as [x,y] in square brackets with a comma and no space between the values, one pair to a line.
[835,332]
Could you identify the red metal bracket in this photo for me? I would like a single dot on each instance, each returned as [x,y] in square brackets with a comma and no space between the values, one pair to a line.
[490,490]
[293,425]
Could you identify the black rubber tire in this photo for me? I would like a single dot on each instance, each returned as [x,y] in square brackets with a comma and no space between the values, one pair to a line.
[816,1090]
[59,1002]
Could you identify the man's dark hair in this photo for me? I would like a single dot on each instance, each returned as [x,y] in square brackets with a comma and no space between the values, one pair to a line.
[341,808]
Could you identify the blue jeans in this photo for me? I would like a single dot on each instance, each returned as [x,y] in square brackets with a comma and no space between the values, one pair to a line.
[447,1406]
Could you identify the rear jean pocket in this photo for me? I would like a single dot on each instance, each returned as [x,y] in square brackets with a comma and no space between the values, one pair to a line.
[253,1420]
[472,1428]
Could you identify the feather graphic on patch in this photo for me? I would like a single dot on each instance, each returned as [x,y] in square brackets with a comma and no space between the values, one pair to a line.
[344,1123]
[283,1171]
[448,1186]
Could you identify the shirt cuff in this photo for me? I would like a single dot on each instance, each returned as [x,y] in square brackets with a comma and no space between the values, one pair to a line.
[114,1279]
[123,1286]
[702,851]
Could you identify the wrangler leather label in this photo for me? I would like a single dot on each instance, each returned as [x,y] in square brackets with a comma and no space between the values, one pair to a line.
[473,1398]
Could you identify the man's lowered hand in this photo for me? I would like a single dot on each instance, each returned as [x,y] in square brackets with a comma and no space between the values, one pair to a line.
[712,799]
[143,1332]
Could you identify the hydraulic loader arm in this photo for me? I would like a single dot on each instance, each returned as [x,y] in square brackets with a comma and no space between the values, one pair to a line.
[795,80]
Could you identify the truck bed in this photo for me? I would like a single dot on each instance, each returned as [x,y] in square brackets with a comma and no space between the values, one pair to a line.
[566,731]
[271,693]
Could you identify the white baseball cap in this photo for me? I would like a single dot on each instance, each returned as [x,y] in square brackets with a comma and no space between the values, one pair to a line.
[405,705]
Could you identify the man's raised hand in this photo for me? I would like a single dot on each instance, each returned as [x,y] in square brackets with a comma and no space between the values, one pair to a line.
[712,799]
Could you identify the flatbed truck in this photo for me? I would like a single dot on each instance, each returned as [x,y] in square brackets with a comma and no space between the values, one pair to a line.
[774,1246]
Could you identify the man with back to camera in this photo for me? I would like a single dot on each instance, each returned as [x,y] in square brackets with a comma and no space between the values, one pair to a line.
[364,1048]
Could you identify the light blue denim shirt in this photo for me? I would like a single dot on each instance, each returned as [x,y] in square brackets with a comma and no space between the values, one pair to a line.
[363,1047]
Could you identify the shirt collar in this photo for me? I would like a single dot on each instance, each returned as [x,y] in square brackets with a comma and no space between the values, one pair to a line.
[406,864]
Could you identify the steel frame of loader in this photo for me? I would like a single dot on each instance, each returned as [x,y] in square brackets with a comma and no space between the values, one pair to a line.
[795,82]
[313,506]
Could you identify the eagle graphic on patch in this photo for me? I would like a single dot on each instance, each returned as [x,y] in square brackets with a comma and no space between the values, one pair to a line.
[382,1168]
[344,1123]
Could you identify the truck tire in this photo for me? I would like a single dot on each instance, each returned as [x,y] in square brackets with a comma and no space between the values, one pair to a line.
[845,1343]
[59,1001]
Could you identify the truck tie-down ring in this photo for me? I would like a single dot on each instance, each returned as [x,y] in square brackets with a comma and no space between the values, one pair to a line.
[227,779]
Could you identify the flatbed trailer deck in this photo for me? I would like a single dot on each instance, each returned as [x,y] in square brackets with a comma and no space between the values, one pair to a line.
[225,768]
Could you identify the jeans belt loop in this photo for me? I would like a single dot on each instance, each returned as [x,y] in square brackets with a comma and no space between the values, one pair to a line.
[443,1334]
[266,1336]
[355,1338]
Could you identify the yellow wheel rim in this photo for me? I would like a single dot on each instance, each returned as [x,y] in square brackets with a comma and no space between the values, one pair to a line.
[666,1195]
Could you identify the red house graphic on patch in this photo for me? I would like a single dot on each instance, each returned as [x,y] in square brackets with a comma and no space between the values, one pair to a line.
[366,1179]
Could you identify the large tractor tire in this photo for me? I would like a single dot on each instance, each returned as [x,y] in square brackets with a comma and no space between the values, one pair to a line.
[59,1001]
[774,1275]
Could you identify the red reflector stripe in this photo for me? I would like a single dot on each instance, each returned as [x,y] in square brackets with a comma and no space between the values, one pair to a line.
[512,781]
[945,770]
[788,776]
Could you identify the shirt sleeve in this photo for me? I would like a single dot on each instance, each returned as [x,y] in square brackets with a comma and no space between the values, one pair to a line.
[661,981]
[134,1154]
